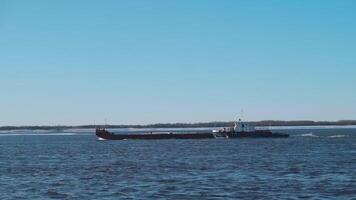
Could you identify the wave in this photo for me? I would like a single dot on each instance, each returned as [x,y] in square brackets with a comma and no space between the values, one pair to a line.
[308,135]
[337,136]
[36,134]
[329,136]
[307,127]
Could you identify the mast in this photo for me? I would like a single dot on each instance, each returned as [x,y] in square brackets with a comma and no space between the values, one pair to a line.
[241,115]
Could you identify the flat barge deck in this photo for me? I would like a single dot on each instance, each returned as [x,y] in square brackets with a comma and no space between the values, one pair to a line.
[106,135]
[103,134]
[240,130]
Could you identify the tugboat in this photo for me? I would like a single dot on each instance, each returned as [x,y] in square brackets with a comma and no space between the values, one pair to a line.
[240,130]
[246,130]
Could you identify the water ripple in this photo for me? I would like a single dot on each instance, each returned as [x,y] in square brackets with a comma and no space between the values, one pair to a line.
[80,167]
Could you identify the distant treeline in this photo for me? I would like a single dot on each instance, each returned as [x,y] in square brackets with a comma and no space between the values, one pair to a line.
[188,125]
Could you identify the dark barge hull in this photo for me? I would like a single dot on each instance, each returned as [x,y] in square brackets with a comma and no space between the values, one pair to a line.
[106,135]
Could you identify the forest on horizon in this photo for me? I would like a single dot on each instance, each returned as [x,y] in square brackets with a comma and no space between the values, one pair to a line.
[190,125]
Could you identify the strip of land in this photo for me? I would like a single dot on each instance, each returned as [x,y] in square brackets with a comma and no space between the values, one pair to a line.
[188,125]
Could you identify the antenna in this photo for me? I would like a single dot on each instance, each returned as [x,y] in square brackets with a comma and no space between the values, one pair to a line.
[105,123]
[242,114]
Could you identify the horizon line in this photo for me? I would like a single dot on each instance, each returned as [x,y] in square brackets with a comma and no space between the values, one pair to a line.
[183,123]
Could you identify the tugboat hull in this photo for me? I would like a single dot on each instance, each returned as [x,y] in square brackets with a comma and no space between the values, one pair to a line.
[257,134]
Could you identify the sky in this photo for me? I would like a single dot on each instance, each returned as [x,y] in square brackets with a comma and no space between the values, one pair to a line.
[79,62]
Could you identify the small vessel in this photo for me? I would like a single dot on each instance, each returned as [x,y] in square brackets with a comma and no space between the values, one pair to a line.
[240,130]
[246,130]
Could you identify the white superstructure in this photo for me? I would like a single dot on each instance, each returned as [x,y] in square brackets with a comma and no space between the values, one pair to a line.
[241,126]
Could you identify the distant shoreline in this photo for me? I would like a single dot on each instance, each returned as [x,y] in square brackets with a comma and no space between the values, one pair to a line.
[188,125]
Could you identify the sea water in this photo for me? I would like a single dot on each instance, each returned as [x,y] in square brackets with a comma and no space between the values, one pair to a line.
[314,163]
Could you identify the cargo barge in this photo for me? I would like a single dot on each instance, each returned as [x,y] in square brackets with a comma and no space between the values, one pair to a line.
[240,130]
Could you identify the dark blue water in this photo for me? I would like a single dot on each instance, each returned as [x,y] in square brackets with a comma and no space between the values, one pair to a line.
[311,164]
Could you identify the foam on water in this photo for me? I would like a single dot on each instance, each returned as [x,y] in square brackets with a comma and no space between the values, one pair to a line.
[337,136]
[308,127]
[308,135]
[37,134]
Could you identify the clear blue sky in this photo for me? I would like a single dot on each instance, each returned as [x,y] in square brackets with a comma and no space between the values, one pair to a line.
[138,62]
